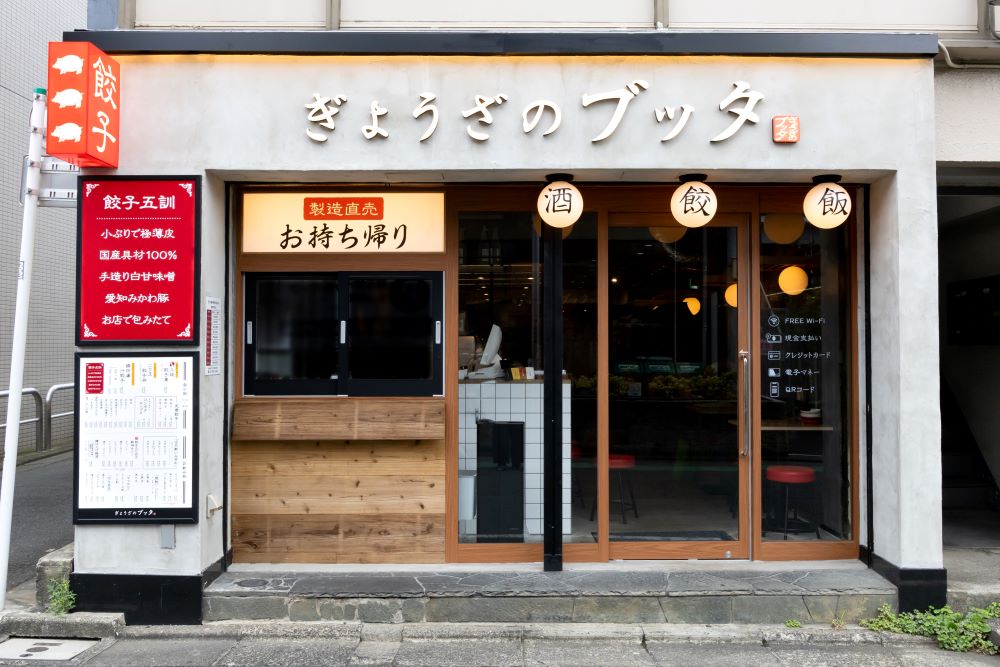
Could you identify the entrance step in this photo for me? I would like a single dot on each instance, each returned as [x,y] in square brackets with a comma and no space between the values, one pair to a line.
[496,595]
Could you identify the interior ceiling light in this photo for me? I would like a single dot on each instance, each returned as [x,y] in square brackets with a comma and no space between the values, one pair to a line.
[793,280]
[784,228]
[667,234]
[730,295]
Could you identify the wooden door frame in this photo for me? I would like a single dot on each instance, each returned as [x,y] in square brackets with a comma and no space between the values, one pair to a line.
[735,199]
[789,200]
[716,550]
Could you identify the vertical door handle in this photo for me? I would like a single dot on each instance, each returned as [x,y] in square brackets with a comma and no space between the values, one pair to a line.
[249,333]
[343,331]
[437,332]
[747,406]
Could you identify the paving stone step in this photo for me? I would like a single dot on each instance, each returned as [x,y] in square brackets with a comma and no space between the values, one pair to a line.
[813,596]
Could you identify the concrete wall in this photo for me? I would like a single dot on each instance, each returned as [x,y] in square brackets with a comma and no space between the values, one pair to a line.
[924,15]
[966,104]
[512,14]
[25,29]
[969,144]
[244,118]
[232,14]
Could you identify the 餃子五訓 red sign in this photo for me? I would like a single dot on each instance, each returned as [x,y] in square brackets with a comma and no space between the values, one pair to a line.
[84,105]
[137,266]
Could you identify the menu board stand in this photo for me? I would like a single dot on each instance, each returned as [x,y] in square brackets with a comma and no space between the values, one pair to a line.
[136,434]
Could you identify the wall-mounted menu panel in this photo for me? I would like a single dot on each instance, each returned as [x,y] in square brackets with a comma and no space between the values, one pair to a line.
[136,438]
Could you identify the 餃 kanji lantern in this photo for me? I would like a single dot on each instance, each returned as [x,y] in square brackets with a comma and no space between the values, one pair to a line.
[693,203]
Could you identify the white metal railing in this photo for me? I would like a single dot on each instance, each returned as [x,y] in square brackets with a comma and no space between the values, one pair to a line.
[47,436]
[43,414]
[38,419]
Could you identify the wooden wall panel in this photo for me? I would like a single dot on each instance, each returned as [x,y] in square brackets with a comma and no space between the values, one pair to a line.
[379,501]
[326,418]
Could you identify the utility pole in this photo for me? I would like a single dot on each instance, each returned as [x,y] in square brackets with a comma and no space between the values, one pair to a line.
[20,337]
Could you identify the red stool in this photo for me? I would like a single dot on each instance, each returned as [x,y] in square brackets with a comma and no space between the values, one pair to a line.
[793,476]
[620,467]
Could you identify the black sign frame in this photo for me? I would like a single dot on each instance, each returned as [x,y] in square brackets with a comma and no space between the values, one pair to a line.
[143,515]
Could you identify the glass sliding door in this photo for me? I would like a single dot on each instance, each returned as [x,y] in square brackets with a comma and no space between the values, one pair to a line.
[677,452]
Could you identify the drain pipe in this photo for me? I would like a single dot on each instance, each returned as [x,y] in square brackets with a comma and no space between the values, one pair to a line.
[994,18]
[995,9]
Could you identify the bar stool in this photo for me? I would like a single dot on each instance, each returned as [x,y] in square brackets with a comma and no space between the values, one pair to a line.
[793,476]
[619,468]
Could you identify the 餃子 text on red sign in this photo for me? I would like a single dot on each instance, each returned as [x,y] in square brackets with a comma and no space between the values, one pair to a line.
[84,105]
[138,257]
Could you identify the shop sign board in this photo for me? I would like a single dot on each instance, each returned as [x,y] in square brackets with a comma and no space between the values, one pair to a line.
[84,105]
[138,260]
[136,434]
[736,110]
[343,222]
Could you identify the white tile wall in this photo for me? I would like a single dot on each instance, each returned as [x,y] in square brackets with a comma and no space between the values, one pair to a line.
[518,402]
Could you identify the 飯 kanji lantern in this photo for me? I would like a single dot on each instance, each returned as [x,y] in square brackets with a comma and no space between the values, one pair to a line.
[828,204]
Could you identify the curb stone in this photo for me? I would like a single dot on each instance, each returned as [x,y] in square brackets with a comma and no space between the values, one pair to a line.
[82,625]
[105,626]
[239,629]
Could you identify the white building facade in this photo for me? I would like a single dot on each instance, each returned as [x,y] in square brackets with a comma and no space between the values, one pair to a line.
[710,408]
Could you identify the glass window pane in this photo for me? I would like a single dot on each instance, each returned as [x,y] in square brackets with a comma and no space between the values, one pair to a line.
[500,420]
[672,394]
[391,328]
[501,487]
[805,394]
[580,361]
[296,328]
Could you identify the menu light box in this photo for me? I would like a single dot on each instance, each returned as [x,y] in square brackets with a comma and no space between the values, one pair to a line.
[136,435]
[137,260]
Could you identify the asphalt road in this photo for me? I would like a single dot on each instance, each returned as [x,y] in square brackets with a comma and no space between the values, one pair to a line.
[472,651]
[43,514]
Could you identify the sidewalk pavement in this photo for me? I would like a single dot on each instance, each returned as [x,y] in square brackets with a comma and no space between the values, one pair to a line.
[279,643]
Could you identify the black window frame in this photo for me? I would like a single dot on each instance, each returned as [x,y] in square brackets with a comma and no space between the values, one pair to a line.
[342,384]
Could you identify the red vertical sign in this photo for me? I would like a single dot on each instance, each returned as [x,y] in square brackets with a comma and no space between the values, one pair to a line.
[84,105]
[138,260]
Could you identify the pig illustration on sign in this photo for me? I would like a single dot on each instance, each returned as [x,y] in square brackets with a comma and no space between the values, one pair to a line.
[68,98]
[67,132]
[69,64]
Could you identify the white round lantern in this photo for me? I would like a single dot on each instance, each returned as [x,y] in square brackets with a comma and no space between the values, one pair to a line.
[827,205]
[560,204]
[693,203]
